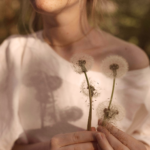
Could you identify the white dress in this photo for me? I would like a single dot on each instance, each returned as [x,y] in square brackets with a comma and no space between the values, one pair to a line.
[40,94]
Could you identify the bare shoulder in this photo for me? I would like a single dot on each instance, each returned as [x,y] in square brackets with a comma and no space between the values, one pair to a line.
[135,56]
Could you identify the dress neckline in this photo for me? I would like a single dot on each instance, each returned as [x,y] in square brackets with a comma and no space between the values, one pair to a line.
[130,72]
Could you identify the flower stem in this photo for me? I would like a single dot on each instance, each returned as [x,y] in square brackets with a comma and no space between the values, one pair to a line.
[90,100]
[112,93]
[110,102]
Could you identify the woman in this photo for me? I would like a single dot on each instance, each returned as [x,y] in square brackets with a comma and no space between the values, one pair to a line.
[40,92]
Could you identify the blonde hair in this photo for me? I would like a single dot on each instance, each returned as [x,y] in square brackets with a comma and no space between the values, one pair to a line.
[32,21]
[94,12]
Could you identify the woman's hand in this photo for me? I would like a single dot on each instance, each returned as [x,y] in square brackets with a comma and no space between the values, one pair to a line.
[84,140]
[111,138]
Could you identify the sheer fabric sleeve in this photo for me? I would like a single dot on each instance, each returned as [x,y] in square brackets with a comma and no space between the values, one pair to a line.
[136,89]
[10,126]
[142,122]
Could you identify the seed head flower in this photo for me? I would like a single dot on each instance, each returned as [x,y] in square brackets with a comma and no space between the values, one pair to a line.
[115,113]
[94,86]
[114,66]
[82,63]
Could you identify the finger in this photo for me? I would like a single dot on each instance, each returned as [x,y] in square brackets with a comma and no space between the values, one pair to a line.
[123,137]
[102,142]
[83,146]
[72,138]
[114,142]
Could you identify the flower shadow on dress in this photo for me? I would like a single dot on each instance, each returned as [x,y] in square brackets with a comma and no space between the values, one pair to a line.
[41,78]
[45,85]
[61,127]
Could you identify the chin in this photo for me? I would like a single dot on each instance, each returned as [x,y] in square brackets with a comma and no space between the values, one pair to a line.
[50,6]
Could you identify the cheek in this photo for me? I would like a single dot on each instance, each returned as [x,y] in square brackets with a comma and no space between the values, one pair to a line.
[49,5]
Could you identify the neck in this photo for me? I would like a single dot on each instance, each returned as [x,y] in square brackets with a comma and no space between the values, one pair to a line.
[63,29]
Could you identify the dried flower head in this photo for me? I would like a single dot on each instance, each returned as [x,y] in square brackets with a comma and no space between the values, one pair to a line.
[82,62]
[114,66]
[94,86]
[115,113]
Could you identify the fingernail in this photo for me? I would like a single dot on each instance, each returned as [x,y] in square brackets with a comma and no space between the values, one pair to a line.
[99,122]
[93,129]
